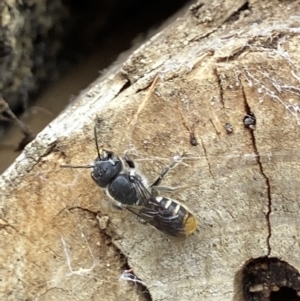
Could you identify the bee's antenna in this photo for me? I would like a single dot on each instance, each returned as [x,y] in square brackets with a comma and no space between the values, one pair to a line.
[77,166]
[96,142]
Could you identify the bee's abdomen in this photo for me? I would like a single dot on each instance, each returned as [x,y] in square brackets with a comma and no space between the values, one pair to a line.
[172,206]
[185,223]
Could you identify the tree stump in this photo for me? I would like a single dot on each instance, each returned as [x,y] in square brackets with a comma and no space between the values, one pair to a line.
[227,96]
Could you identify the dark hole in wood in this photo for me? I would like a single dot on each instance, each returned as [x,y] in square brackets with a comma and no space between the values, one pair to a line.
[284,294]
[270,279]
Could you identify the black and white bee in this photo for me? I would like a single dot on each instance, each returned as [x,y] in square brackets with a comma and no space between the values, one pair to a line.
[127,187]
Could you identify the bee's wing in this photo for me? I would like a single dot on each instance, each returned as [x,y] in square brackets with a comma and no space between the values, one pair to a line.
[159,217]
[143,193]
[154,213]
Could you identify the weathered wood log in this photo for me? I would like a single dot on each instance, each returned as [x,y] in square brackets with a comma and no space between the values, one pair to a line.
[219,66]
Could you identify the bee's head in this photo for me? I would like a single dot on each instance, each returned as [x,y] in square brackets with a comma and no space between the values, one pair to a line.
[106,166]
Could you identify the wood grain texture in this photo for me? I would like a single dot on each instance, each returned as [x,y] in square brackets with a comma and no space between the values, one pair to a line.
[243,186]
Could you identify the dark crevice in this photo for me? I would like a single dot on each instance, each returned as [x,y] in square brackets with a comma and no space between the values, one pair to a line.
[138,283]
[71,209]
[244,7]
[260,165]
[237,15]
[125,86]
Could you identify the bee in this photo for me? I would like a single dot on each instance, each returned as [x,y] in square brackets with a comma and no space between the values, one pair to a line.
[167,215]
[126,187]
[109,172]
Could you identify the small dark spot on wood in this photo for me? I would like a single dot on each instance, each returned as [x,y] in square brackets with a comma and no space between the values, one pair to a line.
[193,140]
[228,128]
[250,121]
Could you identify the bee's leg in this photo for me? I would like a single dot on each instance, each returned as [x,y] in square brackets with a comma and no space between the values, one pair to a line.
[155,185]
[164,172]
[129,161]
[141,221]
[165,188]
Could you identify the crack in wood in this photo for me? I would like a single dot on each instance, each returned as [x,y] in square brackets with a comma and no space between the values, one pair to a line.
[260,165]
